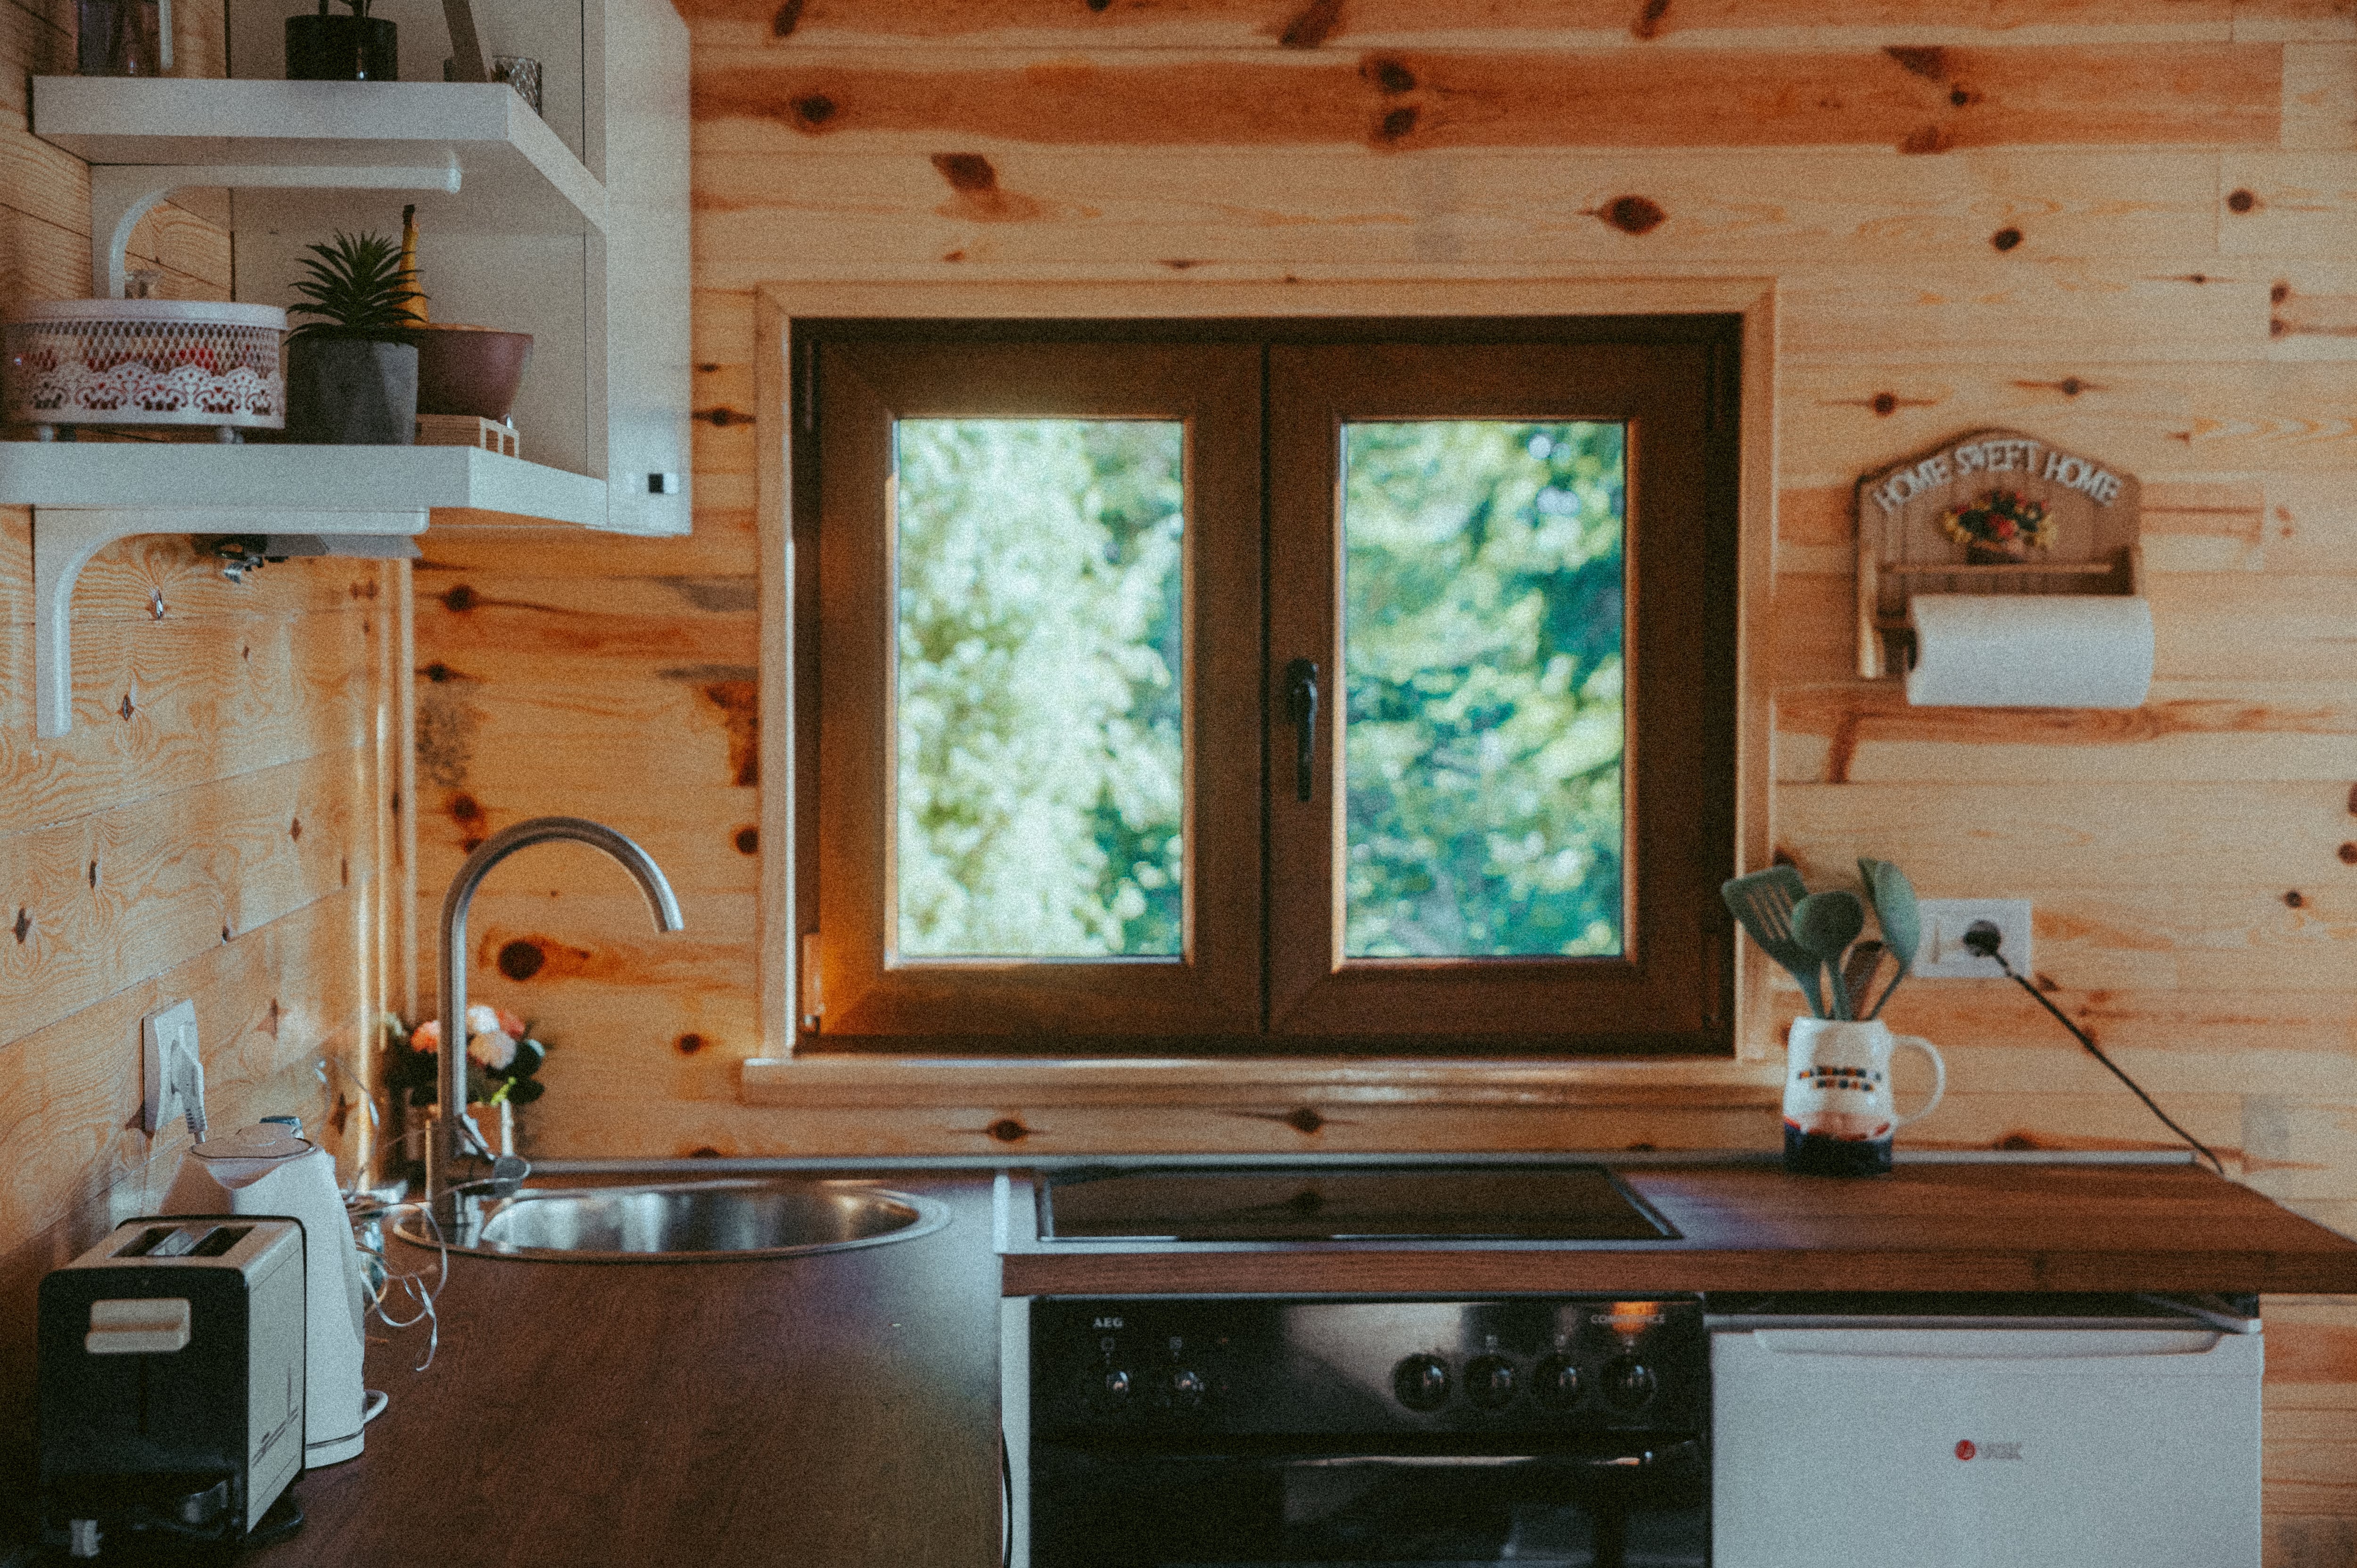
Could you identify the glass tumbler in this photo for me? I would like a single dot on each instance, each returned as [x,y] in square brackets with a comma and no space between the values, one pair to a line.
[123,37]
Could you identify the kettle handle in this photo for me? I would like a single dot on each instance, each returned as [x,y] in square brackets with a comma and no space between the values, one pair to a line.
[1939,1077]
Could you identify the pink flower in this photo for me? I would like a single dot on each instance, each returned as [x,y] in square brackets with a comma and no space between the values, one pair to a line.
[493,1049]
[427,1036]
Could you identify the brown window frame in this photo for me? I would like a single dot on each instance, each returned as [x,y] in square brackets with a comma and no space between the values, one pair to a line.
[1262,975]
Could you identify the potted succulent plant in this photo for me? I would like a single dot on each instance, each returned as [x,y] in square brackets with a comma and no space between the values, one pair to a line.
[351,375]
[328,48]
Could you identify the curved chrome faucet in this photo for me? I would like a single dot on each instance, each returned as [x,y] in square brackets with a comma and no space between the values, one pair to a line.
[444,1148]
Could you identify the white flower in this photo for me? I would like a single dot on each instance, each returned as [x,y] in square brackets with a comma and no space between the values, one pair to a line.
[494,1048]
[482,1019]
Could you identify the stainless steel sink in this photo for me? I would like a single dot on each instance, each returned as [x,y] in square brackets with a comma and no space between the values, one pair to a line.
[685,1221]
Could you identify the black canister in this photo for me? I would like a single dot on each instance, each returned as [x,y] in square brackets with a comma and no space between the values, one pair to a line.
[359,47]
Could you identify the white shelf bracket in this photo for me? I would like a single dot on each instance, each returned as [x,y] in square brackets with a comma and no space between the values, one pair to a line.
[122,194]
[65,538]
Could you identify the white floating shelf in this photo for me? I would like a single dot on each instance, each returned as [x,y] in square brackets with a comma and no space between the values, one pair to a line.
[267,481]
[516,176]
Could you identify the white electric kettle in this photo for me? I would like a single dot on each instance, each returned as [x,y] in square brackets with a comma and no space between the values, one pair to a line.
[266,1169]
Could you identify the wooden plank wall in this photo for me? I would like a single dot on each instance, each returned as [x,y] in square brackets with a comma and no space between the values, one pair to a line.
[2123,224]
[218,826]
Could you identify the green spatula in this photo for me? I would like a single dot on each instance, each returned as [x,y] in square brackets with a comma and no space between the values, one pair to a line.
[1762,903]
[1893,897]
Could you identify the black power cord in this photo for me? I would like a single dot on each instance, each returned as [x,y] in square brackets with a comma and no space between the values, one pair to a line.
[1982,936]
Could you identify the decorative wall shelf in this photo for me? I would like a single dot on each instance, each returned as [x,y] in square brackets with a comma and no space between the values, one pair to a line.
[274,480]
[474,154]
[260,483]
[519,231]
[85,494]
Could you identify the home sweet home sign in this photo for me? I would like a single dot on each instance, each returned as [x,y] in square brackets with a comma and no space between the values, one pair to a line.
[1990,511]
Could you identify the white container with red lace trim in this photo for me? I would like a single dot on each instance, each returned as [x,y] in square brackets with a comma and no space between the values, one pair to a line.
[143,362]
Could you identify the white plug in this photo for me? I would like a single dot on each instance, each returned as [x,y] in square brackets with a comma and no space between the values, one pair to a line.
[175,1072]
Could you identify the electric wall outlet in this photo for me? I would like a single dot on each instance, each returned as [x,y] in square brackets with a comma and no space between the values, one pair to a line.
[1944,955]
[174,1071]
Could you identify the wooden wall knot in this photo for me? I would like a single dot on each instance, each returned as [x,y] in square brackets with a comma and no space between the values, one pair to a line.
[24,926]
[522,960]
[1930,63]
[1008,1130]
[968,172]
[1634,214]
[1311,25]
[1648,23]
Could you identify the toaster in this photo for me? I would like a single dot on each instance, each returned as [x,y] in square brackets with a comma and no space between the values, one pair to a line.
[172,1381]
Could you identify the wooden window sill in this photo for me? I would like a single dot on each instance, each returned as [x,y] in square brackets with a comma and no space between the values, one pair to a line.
[846,1081]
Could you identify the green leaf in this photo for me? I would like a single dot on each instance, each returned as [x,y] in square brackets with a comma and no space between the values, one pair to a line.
[359,289]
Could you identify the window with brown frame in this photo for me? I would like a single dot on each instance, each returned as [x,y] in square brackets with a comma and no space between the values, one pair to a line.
[1278,687]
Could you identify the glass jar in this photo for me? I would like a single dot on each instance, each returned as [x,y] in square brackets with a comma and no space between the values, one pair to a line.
[123,37]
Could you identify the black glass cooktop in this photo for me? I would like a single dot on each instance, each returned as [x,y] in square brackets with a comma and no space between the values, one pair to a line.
[1532,1203]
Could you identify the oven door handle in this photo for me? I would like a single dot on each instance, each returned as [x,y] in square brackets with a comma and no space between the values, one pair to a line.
[1623,1461]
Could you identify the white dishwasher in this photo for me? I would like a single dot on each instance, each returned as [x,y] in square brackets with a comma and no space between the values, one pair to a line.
[1986,1433]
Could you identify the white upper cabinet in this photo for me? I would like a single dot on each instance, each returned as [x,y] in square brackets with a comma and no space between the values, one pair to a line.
[571,225]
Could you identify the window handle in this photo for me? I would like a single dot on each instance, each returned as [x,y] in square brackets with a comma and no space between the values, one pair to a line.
[1301,713]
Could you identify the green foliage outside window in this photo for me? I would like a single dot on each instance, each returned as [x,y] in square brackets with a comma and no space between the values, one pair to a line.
[1039,775]
[1483,665]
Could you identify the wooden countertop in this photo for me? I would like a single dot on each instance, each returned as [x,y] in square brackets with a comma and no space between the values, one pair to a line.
[839,1410]
[1923,1227]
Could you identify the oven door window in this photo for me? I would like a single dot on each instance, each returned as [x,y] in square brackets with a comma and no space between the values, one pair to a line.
[1596,1506]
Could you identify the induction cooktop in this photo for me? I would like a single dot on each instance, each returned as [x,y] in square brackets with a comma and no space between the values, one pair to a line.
[1536,1203]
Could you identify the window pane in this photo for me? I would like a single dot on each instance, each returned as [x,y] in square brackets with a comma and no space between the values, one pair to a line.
[1040,788]
[1483,656]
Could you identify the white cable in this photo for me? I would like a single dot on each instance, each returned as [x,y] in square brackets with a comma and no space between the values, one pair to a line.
[416,1292]
[190,1078]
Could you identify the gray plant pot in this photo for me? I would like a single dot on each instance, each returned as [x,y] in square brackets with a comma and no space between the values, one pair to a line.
[350,392]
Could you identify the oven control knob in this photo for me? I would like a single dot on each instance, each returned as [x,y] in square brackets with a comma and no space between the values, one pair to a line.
[1556,1380]
[1490,1381]
[1116,1386]
[1629,1384]
[1421,1382]
[1186,1389]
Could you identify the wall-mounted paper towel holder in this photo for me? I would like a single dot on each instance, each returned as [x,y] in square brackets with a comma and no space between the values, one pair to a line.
[1989,512]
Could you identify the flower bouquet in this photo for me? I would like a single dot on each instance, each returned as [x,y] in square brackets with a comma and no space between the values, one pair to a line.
[503,1059]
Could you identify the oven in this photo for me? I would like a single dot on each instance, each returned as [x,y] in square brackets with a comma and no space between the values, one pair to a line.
[1176,1432]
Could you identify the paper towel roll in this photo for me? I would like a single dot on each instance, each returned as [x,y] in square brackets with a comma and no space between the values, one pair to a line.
[2029,650]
